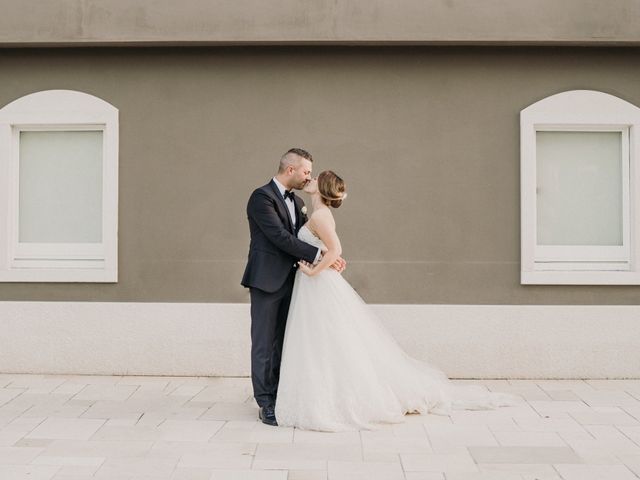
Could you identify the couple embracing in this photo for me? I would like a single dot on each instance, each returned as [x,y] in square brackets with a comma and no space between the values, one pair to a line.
[320,357]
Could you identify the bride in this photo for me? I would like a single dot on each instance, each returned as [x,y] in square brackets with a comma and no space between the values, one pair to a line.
[341,369]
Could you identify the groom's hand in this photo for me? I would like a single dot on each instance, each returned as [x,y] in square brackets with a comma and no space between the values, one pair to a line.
[339,265]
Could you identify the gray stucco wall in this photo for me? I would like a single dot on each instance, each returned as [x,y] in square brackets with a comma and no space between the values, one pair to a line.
[426,138]
[157,22]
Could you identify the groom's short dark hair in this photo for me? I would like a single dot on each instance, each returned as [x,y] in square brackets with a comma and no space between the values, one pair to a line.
[301,153]
[284,161]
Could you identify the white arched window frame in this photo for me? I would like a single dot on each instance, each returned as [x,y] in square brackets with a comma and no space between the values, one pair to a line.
[612,263]
[66,112]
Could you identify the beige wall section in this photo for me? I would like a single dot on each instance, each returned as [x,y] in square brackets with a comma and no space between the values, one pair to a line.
[466,341]
[594,22]
[426,138]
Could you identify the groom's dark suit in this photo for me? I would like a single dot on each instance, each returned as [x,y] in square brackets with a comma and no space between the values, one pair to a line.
[269,275]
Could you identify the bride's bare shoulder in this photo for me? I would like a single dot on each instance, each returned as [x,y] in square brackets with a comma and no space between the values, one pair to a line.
[322,216]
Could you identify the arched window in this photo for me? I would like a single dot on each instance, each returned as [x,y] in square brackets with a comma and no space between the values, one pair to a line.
[58,188]
[580,181]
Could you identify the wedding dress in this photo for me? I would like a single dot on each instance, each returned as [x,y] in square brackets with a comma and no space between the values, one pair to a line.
[342,370]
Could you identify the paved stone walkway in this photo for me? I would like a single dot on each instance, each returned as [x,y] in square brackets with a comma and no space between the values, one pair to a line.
[72,427]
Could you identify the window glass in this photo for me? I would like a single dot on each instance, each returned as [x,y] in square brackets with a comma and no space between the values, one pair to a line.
[579,188]
[60,187]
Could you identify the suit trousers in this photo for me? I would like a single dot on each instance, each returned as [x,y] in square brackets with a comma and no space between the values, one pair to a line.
[268,321]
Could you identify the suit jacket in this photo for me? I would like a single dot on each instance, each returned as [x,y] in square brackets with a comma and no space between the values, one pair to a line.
[274,250]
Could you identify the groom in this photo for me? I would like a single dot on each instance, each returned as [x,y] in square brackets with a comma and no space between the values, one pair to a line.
[275,215]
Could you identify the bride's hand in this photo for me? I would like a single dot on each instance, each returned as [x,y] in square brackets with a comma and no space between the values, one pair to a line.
[306,267]
[339,265]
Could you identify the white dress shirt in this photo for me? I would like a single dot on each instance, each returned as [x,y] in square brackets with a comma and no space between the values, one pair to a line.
[292,211]
[288,202]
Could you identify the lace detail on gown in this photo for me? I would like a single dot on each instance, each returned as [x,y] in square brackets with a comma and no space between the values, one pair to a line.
[306,235]
[342,370]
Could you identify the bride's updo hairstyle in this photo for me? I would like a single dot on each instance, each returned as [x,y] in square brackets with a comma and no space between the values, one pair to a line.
[331,188]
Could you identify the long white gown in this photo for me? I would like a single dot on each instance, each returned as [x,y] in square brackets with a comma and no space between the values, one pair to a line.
[342,370]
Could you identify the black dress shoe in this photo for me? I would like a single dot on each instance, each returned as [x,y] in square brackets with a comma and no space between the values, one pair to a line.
[268,415]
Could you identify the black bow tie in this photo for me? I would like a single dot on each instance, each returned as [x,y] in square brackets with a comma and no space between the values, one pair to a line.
[291,195]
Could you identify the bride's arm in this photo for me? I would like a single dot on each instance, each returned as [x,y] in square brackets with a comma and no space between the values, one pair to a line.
[325,227]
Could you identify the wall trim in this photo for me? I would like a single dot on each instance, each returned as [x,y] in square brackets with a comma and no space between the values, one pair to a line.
[212,339]
[348,22]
